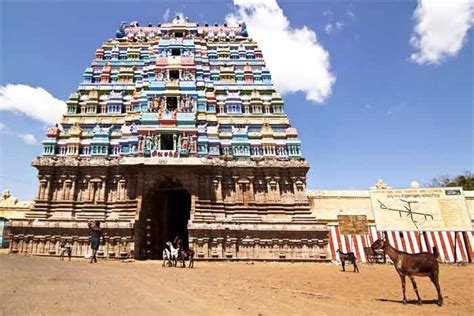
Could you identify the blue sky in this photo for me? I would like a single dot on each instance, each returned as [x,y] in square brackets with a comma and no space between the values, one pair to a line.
[386,116]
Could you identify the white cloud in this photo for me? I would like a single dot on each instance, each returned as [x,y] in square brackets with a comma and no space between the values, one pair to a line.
[327,12]
[331,28]
[36,103]
[166,15]
[232,20]
[440,30]
[328,28]
[28,139]
[351,14]
[309,72]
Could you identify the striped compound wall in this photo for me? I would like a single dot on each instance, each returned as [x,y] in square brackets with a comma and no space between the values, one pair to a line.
[411,242]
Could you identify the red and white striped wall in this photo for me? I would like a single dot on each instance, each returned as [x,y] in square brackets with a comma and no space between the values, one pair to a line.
[407,241]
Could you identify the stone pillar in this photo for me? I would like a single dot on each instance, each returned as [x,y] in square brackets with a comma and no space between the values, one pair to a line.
[113,192]
[42,188]
[251,191]
[118,189]
[66,189]
[90,190]
[295,188]
[300,188]
[269,196]
[139,196]
[115,196]
[73,188]
[208,187]
[123,189]
[60,189]
[56,185]
[82,190]
[218,187]
[48,187]
[237,191]
[103,187]
[278,189]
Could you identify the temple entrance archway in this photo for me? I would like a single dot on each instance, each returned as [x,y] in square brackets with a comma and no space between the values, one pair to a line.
[164,215]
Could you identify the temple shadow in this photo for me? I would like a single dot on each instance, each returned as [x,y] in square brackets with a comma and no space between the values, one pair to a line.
[411,302]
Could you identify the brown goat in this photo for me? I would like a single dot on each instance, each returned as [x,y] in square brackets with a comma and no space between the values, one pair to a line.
[411,265]
[349,257]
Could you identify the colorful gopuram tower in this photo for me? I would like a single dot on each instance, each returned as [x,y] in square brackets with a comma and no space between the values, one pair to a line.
[176,129]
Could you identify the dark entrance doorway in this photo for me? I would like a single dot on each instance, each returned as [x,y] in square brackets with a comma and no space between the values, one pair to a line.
[165,214]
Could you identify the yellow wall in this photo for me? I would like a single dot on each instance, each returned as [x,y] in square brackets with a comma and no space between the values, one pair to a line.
[327,204]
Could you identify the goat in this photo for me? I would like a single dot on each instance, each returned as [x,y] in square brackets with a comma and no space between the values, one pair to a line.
[187,254]
[411,265]
[174,252]
[350,257]
[184,253]
[166,257]
[65,248]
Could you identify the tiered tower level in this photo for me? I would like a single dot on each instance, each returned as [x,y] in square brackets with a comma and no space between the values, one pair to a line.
[176,129]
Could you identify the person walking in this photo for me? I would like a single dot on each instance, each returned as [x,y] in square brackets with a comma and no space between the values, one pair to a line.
[96,233]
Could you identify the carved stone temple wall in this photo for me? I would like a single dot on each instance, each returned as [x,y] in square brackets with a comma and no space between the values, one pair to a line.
[238,209]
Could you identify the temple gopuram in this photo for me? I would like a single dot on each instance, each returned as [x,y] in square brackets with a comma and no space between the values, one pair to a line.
[175,129]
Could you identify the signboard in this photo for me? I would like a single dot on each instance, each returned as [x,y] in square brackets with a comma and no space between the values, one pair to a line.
[353,224]
[427,209]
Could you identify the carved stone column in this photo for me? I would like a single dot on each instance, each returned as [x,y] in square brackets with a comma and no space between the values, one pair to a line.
[301,186]
[278,189]
[237,191]
[103,187]
[228,189]
[84,190]
[73,188]
[251,188]
[42,188]
[218,187]
[269,194]
[295,188]
[66,189]
[123,189]
[56,184]
[115,195]
[208,187]
[62,188]
[113,191]
[90,188]
[48,187]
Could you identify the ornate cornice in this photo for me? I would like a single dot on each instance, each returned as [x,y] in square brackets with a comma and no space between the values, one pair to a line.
[130,161]
[75,162]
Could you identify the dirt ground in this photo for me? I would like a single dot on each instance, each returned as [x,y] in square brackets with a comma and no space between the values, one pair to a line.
[48,286]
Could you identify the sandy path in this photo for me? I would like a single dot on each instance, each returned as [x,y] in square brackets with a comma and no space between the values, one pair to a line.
[47,286]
